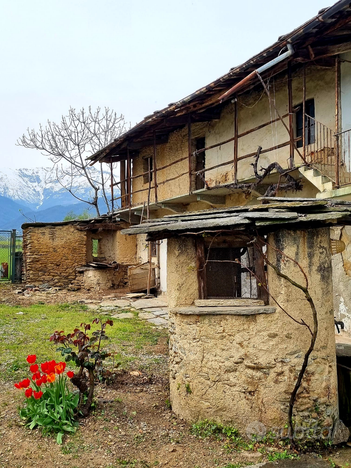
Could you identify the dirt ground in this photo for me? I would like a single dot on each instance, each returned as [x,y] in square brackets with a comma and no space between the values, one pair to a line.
[132,425]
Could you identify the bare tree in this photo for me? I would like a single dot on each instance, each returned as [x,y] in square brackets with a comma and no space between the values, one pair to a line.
[69,142]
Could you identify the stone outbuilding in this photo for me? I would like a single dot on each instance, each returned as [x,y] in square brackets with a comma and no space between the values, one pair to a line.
[237,360]
[88,254]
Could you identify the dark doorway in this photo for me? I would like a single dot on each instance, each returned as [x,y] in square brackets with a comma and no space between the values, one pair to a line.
[344,389]
[224,277]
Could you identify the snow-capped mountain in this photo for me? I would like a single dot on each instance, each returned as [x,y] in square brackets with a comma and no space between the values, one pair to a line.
[28,195]
[36,189]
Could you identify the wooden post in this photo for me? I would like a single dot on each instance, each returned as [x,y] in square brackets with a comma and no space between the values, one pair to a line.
[189,154]
[337,122]
[304,112]
[149,188]
[235,140]
[112,195]
[201,267]
[129,182]
[155,168]
[122,177]
[291,119]
[150,270]
[261,274]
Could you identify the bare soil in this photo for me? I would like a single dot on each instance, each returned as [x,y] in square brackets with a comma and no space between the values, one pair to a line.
[131,426]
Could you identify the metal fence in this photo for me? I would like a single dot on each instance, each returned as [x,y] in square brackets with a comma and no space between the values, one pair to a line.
[10,256]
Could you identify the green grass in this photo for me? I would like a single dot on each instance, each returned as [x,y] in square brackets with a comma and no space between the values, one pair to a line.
[28,332]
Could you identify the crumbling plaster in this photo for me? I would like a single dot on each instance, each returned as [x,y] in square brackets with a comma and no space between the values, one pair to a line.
[242,369]
[341,263]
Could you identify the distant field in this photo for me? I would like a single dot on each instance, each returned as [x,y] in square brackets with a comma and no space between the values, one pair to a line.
[5,254]
[4,258]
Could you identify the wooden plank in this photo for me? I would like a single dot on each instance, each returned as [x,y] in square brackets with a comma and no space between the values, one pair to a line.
[288,200]
[138,278]
[262,275]
[201,269]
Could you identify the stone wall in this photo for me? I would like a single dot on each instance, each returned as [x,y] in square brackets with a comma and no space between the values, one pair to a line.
[52,253]
[241,369]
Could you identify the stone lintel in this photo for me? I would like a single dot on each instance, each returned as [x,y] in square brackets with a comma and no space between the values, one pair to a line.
[193,310]
[228,302]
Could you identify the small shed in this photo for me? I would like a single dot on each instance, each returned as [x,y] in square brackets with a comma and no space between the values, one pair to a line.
[240,325]
[80,253]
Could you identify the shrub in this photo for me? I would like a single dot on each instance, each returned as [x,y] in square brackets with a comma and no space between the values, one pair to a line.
[88,358]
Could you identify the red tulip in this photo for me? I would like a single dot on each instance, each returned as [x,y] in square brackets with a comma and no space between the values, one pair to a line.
[48,367]
[28,392]
[31,358]
[18,385]
[25,383]
[36,376]
[38,395]
[70,374]
[60,368]
[33,368]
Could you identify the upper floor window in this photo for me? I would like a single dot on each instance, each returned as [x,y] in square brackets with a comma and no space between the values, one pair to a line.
[309,123]
[148,167]
[199,180]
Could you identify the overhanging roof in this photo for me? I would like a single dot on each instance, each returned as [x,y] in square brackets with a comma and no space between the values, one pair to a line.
[312,40]
[275,212]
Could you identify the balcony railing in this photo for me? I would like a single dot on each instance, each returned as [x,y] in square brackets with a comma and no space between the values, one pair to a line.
[320,148]
[327,151]
[343,140]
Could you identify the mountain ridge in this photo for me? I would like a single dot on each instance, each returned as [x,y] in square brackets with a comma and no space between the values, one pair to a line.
[26,195]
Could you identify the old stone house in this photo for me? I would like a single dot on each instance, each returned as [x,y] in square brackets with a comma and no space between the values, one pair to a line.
[194,181]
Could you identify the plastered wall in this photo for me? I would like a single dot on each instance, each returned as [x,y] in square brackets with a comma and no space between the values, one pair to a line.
[342,278]
[241,369]
[52,253]
[253,110]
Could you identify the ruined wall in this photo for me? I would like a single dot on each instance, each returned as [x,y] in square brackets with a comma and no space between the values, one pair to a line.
[97,279]
[253,110]
[242,369]
[52,253]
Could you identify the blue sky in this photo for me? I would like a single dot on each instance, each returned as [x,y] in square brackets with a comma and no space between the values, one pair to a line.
[134,57]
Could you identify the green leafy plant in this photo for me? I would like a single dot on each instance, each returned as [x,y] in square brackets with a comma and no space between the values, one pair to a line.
[49,404]
[207,428]
[285,455]
[88,357]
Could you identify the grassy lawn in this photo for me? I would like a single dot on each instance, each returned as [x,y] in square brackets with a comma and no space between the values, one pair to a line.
[26,330]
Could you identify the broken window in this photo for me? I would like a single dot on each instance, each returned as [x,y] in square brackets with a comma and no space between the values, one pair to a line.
[148,167]
[153,247]
[229,267]
[200,164]
[309,123]
[95,247]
